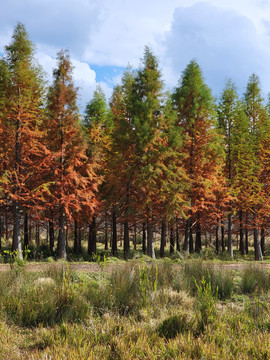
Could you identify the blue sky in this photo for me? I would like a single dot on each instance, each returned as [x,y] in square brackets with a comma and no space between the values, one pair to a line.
[228,38]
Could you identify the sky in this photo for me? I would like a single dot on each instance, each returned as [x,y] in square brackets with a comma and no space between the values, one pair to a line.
[230,39]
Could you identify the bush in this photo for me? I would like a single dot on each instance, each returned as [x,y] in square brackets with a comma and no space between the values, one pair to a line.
[254,279]
[172,326]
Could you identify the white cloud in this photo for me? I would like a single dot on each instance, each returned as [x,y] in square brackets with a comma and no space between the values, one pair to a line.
[224,42]
[84,77]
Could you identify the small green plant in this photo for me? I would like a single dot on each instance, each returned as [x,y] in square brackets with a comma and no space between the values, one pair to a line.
[145,280]
[14,258]
[206,301]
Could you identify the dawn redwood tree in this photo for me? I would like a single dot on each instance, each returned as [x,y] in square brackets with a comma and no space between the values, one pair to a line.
[228,113]
[121,162]
[202,148]
[146,117]
[21,104]
[98,128]
[258,131]
[73,177]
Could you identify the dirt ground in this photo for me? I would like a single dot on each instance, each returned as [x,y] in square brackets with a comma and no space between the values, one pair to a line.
[92,267]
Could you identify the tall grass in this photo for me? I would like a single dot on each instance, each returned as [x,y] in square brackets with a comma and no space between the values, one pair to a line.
[195,271]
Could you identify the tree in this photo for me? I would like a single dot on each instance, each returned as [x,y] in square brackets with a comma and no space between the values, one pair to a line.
[258,132]
[74,181]
[228,114]
[21,103]
[202,148]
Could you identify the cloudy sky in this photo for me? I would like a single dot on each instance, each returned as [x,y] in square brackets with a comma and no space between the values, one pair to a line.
[228,38]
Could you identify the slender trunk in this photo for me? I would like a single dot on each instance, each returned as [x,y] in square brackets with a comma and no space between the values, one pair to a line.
[222,236]
[198,239]
[135,237]
[62,240]
[217,239]
[257,243]
[92,237]
[26,233]
[144,239]
[172,240]
[150,243]
[80,240]
[126,239]
[17,243]
[230,245]
[114,233]
[76,245]
[106,234]
[186,240]
[246,235]
[37,234]
[51,235]
[177,238]
[1,232]
[162,239]
[126,225]
[6,226]
[241,233]
[191,243]
[263,240]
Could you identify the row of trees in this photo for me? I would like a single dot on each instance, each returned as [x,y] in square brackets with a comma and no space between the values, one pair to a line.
[150,161]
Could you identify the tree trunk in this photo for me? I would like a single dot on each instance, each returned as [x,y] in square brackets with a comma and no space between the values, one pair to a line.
[186,240]
[92,237]
[80,240]
[26,233]
[126,239]
[222,236]
[263,240]
[172,240]
[162,239]
[241,233]
[246,234]
[217,239]
[257,245]
[150,243]
[17,243]
[114,233]
[76,245]
[135,237]
[230,245]
[37,234]
[51,236]
[144,239]
[198,239]
[177,238]
[62,239]
[191,243]
[106,234]
[1,232]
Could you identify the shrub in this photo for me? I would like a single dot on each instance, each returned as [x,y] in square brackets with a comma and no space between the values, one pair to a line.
[206,301]
[172,326]
[254,279]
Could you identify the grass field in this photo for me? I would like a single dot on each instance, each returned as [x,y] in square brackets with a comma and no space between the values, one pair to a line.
[139,310]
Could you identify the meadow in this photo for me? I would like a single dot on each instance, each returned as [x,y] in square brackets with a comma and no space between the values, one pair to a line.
[138,309]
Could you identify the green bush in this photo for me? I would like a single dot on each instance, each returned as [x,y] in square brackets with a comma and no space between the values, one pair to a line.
[172,326]
[254,279]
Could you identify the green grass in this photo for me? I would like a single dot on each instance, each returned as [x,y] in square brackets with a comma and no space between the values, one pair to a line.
[141,310]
